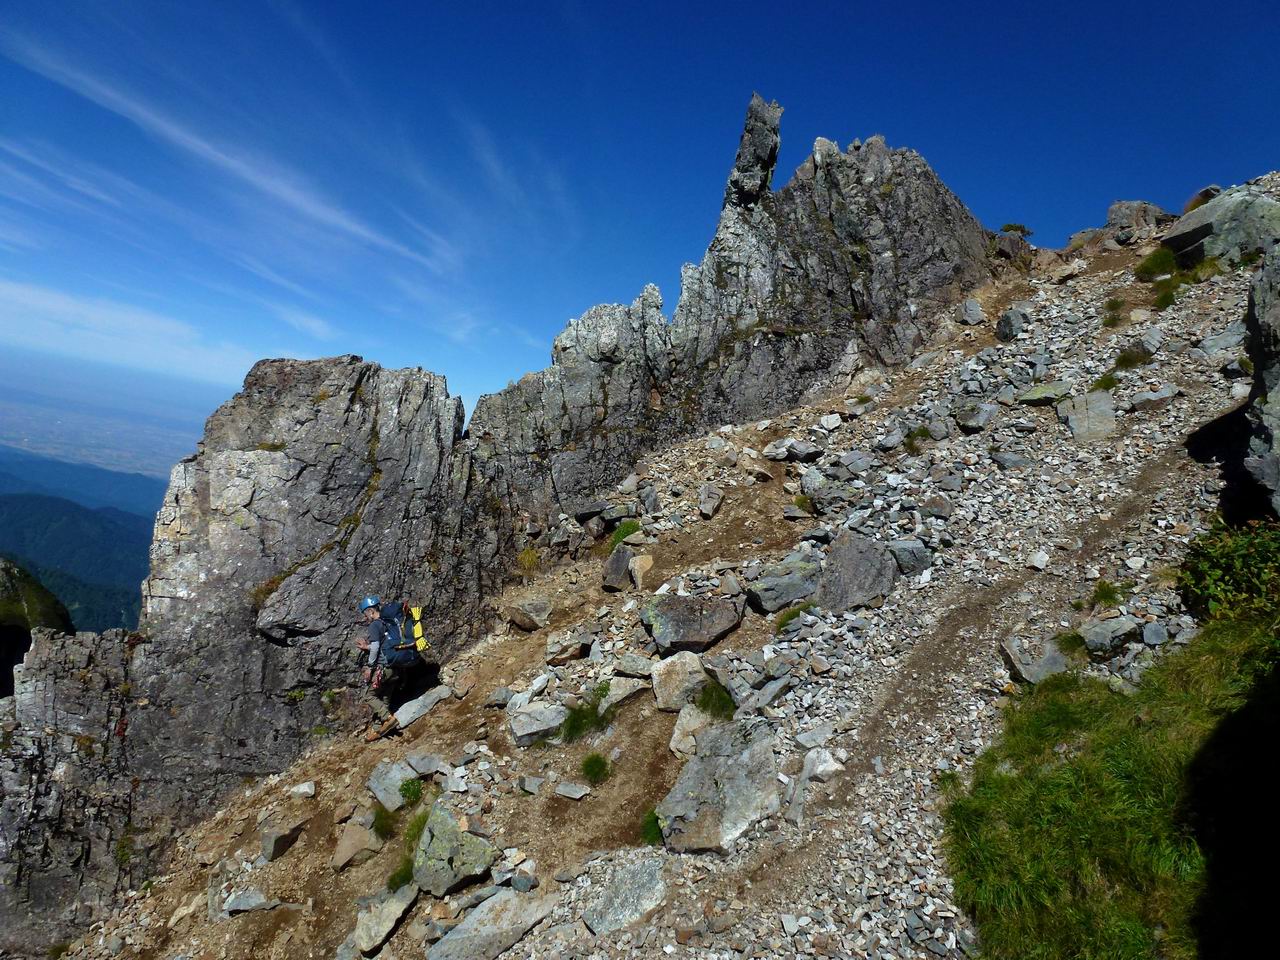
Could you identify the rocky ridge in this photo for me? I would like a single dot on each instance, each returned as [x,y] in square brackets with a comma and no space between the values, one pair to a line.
[324,480]
[945,553]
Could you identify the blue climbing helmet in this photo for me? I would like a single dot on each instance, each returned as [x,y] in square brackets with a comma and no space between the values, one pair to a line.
[369,601]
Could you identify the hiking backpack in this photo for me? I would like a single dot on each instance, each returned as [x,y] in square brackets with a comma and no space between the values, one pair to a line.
[402,626]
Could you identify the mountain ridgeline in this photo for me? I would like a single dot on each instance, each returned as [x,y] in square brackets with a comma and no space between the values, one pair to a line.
[323,480]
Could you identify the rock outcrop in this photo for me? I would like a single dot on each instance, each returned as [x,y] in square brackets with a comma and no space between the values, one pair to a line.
[324,480]
[1263,320]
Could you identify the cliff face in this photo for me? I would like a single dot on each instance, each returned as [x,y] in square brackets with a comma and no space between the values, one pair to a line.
[324,480]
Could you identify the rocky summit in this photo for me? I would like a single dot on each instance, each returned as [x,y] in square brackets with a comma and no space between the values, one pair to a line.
[736,584]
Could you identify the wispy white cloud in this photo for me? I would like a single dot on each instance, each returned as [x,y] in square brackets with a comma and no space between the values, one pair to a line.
[271,276]
[49,320]
[305,322]
[268,178]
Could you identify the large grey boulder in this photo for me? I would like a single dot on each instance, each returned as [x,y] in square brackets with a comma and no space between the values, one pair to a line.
[1237,222]
[970,313]
[1011,323]
[1090,416]
[1263,320]
[690,623]
[859,571]
[496,925]
[729,785]
[530,614]
[446,857]
[630,894]
[784,583]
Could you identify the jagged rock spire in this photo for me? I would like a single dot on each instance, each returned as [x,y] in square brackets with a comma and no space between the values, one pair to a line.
[757,154]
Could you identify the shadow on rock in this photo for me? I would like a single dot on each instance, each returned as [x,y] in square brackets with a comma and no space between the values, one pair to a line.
[1225,441]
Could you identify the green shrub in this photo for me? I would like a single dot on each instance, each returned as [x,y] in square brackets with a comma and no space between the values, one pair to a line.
[595,769]
[402,874]
[1246,364]
[805,503]
[411,791]
[1017,228]
[1232,569]
[1155,264]
[1204,270]
[716,701]
[57,950]
[586,717]
[1113,305]
[789,614]
[320,730]
[1165,298]
[1105,382]
[384,822]
[124,851]
[651,829]
[1250,257]
[863,398]
[296,695]
[271,446]
[625,529]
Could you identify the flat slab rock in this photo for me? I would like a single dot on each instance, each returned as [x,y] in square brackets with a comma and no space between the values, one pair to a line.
[690,623]
[730,784]
[631,894]
[419,707]
[496,925]
[379,917]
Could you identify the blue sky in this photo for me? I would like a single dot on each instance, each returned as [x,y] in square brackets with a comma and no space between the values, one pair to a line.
[185,188]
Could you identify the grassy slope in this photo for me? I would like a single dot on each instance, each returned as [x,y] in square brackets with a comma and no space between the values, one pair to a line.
[1086,831]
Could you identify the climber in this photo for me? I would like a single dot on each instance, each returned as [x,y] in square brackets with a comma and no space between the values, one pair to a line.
[379,674]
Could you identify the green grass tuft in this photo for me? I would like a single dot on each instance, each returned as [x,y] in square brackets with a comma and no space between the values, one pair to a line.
[789,614]
[595,769]
[716,701]
[1131,358]
[1105,594]
[625,529]
[586,717]
[651,829]
[805,503]
[384,822]
[402,874]
[413,832]
[1017,228]
[1107,381]
[528,560]
[1156,264]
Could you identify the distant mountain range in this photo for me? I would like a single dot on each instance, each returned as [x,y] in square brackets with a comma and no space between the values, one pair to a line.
[89,486]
